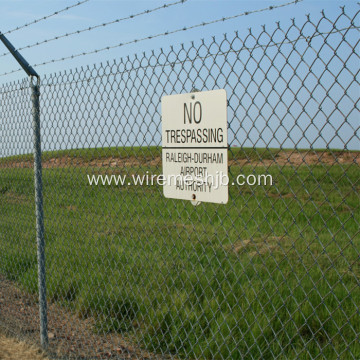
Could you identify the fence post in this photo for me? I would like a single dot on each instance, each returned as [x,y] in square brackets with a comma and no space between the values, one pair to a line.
[39,211]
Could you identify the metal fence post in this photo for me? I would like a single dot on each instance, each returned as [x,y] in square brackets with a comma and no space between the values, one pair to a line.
[39,211]
[35,95]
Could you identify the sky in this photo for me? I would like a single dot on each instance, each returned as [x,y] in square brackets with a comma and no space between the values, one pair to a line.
[15,13]
[299,94]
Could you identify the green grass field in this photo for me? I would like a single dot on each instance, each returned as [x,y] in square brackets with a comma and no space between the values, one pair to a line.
[274,273]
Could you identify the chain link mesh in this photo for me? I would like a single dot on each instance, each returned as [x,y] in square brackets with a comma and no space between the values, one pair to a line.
[273,274]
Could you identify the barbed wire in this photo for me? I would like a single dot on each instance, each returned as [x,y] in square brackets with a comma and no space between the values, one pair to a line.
[45,17]
[181,62]
[222,53]
[102,25]
[134,41]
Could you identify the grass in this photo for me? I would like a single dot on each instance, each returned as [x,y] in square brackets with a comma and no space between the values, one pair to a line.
[275,272]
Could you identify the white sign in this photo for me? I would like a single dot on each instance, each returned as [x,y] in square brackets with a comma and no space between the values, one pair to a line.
[194,146]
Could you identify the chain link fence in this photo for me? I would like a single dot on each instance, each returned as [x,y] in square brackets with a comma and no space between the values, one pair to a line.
[274,274]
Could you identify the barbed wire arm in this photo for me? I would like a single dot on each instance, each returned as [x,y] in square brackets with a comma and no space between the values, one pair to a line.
[23,63]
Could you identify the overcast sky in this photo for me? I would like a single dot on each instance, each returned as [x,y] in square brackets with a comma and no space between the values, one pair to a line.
[18,12]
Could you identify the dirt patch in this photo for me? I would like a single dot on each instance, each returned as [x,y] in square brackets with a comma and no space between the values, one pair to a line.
[316,157]
[259,246]
[110,162]
[11,349]
[69,336]
[288,157]
[295,158]
[14,198]
[67,161]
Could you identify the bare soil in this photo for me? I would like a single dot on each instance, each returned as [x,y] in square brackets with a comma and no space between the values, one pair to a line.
[11,349]
[69,335]
[286,157]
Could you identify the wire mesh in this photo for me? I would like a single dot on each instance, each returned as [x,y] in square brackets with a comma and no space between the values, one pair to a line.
[130,274]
